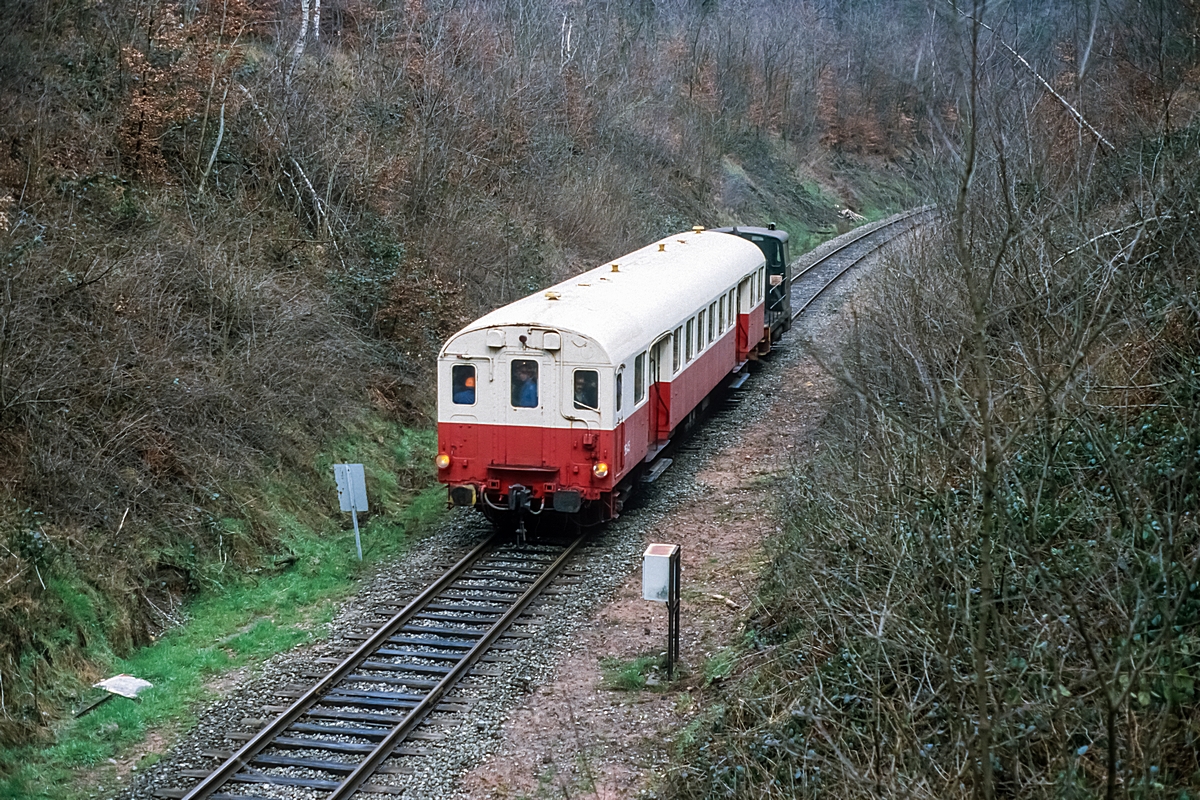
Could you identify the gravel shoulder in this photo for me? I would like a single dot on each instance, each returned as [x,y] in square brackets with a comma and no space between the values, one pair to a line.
[547,726]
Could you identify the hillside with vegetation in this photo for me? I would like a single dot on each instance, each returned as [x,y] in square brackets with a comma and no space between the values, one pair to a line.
[234,235]
[989,580]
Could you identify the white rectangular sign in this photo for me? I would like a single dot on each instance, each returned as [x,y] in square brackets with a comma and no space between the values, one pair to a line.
[351,486]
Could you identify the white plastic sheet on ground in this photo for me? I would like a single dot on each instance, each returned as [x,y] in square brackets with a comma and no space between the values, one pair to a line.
[124,685]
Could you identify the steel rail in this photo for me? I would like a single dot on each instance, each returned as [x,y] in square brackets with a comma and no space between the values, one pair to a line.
[261,740]
[857,239]
[796,314]
[414,718]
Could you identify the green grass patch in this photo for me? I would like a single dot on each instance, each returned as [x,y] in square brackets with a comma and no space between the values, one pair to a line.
[240,618]
[698,729]
[629,676]
[720,665]
[818,194]
[804,238]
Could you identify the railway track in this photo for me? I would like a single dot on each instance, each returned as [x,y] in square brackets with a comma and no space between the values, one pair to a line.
[344,734]
[811,282]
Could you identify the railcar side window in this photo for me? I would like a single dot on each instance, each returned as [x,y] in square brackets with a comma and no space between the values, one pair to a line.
[762,281]
[690,338]
[676,341]
[733,308]
[620,386]
[700,331]
[639,378]
[524,383]
[462,384]
[712,320]
[587,389]
[722,313]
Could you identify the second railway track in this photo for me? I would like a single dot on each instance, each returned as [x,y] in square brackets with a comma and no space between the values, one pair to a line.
[810,283]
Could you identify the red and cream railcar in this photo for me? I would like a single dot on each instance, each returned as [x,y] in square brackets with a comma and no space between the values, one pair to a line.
[558,400]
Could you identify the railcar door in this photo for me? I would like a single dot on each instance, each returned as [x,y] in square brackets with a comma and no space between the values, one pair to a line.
[660,408]
[786,305]
[527,385]
[743,321]
[619,448]
[470,395]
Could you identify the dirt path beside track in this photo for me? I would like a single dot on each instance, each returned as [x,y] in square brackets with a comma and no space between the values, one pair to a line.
[575,736]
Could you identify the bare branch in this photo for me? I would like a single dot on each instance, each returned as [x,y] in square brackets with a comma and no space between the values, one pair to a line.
[1045,84]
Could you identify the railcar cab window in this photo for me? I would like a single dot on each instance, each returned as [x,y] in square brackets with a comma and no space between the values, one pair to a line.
[639,378]
[676,341]
[462,384]
[587,389]
[620,385]
[524,383]
[771,249]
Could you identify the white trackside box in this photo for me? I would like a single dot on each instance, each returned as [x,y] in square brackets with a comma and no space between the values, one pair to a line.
[659,563]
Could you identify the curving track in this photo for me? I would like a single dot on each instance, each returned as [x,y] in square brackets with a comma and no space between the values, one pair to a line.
[811,282]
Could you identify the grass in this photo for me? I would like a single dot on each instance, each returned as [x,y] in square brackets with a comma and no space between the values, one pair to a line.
[628,676]
[239,621]
[805,239]
[720,665]
[699,728]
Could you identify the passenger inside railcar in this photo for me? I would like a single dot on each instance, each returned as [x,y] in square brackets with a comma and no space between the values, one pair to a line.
[587,389]
[463,384]
[524,383]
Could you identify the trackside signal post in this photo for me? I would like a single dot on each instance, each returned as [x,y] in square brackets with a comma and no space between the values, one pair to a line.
[352,494]
[660,583]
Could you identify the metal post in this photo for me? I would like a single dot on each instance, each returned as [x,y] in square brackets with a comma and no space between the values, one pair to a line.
[673,616]
[673,606]
[354,513]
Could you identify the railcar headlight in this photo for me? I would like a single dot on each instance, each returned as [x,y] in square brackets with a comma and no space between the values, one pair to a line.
[442,461]
[600,469]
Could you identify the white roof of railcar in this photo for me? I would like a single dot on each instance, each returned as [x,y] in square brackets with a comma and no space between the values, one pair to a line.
[652,292]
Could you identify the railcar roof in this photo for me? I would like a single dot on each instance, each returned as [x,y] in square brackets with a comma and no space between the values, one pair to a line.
[651,292]
[770,233]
